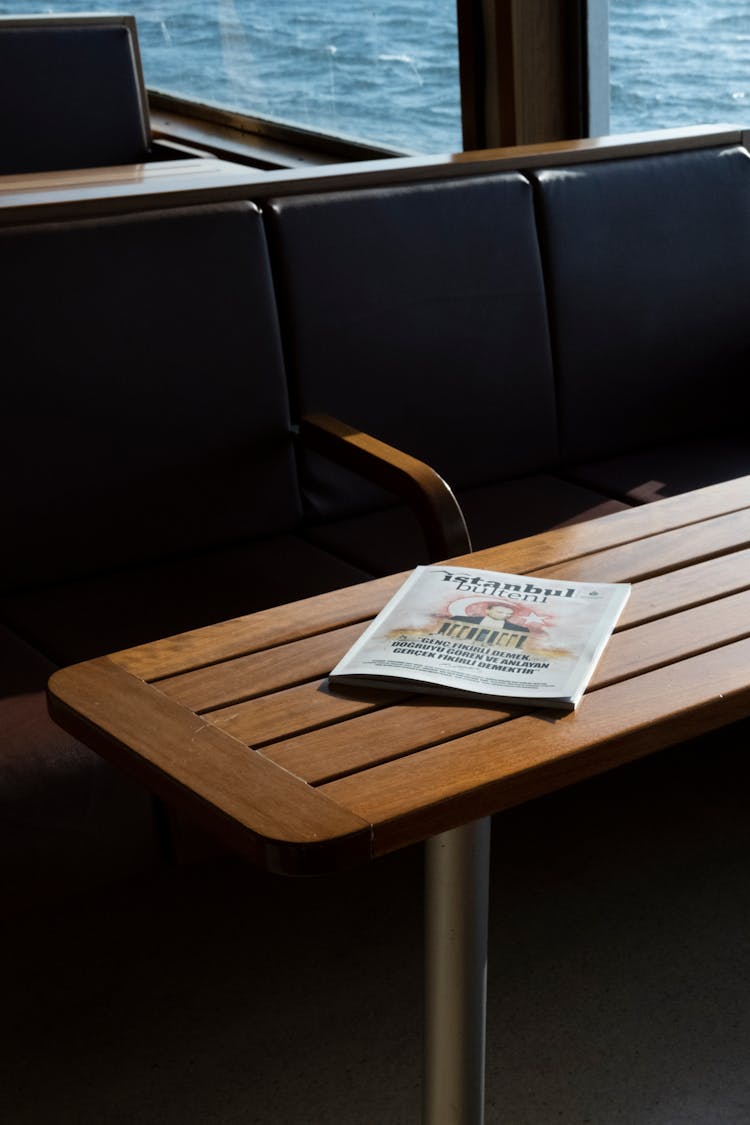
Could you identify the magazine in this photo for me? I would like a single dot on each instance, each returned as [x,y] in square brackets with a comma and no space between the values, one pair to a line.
[486,635]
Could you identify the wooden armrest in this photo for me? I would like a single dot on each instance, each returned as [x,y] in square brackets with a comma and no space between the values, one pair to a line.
[432,500]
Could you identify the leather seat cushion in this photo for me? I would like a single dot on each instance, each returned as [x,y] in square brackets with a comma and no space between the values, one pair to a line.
[390,540]
[652,474]
[78,620]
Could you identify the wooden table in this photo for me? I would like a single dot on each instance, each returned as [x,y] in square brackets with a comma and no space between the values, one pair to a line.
[237,723]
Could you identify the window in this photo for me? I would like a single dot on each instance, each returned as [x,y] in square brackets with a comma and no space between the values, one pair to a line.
[385,73]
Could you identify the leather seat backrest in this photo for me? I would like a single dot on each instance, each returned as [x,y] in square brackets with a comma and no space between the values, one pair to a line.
[72,93]
[648,266]
[417,313]
[144,407]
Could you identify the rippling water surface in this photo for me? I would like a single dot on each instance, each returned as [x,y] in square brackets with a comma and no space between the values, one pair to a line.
[679,63]
[387,70]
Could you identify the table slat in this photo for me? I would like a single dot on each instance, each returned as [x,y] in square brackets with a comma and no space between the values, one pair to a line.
[637,650]
[223,684]
[658,554]
[297,709]
[686,587]
[370,739]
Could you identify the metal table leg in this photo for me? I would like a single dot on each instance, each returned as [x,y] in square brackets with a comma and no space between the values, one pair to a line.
[456,909]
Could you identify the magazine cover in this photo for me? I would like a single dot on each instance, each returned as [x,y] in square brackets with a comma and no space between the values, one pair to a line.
[482,633]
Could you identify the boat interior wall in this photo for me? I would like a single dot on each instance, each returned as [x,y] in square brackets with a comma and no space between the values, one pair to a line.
[558,340]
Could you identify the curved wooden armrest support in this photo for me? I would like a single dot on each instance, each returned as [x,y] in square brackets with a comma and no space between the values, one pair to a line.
[421,487]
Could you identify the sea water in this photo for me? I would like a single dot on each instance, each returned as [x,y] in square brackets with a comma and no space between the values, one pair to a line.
[386,71]
[679,62]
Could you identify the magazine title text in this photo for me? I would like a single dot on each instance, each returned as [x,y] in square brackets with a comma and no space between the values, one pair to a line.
[475,584]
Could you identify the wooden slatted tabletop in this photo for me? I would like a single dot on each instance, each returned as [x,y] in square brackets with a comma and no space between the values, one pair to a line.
[238,723]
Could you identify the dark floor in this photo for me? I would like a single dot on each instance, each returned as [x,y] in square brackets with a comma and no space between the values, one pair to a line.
[619,976]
